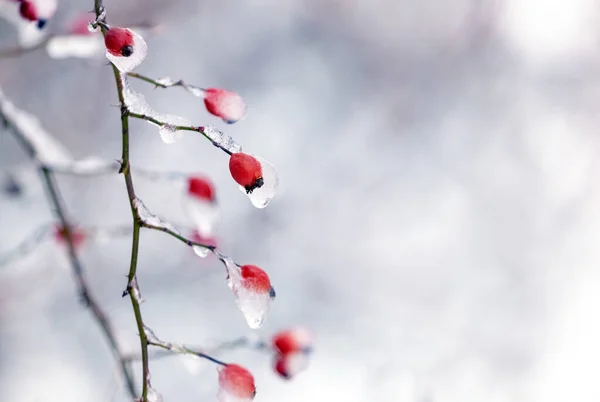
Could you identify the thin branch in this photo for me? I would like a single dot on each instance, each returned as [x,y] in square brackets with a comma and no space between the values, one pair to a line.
[132,285]
[177,348]
[77,268]
[167,82]
[208,132]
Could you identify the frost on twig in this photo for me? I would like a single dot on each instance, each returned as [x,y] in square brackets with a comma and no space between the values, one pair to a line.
[221,140]
[166,82]
[149,219]
[45,147]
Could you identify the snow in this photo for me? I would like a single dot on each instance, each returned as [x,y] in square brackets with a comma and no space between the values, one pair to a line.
[127,64]
[79,46]
[260,197]
[221,139]
[149,218]
[254,305]
[153,395]
[168,131]
[48,149]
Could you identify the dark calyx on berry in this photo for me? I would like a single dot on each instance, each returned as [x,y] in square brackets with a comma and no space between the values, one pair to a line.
[41,23]
[272,293]
[257,184]
[127,50]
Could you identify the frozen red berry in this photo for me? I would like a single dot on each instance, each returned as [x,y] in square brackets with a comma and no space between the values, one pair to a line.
[246,170]
[281,367]
[77,235]
[227,105]
[119,42]
[293,340]
[28,10]
[202,188]
[255,279]
[235,381]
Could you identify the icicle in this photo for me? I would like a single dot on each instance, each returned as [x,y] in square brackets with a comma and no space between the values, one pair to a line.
[261,196]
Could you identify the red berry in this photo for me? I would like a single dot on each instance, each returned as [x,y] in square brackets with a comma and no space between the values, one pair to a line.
[246,171]
[293,340]
[281,367]
[225,104]
[237,381]
[201,188]
[77,235]
[28,10]
[119,42]
[255,279]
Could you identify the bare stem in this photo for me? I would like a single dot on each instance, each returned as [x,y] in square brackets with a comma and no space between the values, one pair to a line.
[132,285]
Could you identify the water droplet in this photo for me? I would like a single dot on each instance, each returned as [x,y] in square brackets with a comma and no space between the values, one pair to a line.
[260,197]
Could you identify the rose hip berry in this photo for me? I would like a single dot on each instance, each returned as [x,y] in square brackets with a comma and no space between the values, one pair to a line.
[246,171]
[201,188]
[119,42]
[255,279]
[28,10]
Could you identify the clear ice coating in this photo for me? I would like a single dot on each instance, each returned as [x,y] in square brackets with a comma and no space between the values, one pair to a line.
[79,46]
[89,166]
[48,150]
[254,305]
[221,139]
[136,104]
[127,64]
[134,101]
[149,218]
[260,197]
[166,81]
[203,214]
[196,91]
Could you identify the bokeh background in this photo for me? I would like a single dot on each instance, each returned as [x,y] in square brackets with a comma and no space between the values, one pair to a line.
[437,221]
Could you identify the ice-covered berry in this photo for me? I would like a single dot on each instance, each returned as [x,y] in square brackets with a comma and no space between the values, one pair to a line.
[28,10]
[119,42]
[293,340]
[255,279]
[246,170]
[201,187]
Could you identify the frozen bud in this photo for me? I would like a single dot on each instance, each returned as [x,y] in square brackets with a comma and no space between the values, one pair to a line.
[289,366]
[125,48]
[293,340]
[78,236]
[236,384]
[201,188]
[227,105]
[200,205]
[28,10]
[246,171]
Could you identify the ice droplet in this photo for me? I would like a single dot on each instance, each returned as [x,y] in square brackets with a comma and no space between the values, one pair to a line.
[196,91]
[167,81]
[85,47]
[153,395]
[254,305]
[203,213]
[168,131]
[221,139]
[149,218]
[90,27]
[261,196]
[127,64]
[200,251]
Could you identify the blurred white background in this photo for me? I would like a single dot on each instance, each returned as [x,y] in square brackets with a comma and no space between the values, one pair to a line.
[437,221]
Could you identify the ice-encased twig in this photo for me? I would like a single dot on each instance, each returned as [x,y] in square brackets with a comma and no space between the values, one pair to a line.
[150,219]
